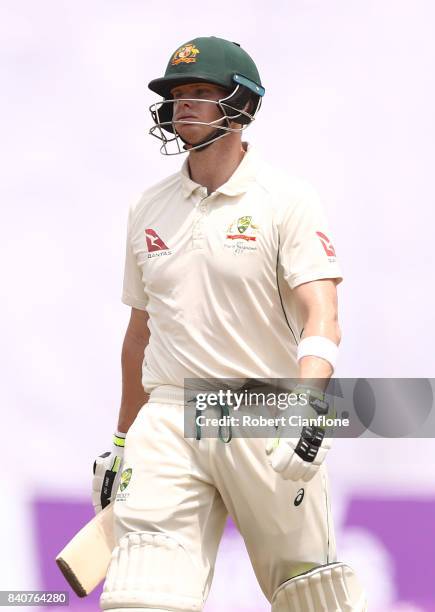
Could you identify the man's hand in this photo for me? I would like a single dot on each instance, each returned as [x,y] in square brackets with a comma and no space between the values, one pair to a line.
[107,472]
[299,457]
[108,466]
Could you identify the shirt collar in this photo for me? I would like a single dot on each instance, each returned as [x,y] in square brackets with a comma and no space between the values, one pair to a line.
[238,182]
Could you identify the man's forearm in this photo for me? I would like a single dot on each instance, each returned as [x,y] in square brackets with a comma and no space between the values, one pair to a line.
[133,394]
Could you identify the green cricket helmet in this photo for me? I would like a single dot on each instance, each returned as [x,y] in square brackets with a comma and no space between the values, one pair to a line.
[212,60]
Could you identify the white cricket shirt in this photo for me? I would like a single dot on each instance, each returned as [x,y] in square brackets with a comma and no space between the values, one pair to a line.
[216,272]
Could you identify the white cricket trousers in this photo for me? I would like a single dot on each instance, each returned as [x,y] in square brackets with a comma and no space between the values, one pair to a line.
[185,489]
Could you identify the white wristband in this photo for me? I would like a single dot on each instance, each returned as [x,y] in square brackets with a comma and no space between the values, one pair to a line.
[318,346]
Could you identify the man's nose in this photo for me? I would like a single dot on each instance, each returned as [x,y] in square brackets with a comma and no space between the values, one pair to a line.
[182,104]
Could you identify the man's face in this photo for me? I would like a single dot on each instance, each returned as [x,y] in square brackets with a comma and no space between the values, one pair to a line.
[188,107]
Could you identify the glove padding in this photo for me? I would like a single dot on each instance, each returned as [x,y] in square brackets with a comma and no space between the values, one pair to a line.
[107,472]
[299,458]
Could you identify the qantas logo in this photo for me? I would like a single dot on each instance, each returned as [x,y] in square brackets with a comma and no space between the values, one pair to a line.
[155,244]
[327,245]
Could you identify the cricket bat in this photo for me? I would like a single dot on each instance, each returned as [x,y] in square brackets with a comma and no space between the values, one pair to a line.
[85,559]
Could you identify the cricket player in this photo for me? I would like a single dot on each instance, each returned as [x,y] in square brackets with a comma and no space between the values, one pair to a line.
[229,273]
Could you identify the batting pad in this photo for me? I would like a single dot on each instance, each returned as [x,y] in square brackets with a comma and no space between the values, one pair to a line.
[328,588]
[152,570]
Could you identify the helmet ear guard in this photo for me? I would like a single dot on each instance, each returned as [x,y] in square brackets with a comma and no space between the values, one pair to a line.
[247,92]
[238,100]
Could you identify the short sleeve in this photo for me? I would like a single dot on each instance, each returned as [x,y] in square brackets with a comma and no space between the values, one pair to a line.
[306,250]
[133,292]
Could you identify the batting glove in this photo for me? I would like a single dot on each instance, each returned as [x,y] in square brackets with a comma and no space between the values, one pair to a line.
[107,472]
[299,458]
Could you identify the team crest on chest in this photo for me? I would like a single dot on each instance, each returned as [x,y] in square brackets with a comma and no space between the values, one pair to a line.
[186,54]
[241,235]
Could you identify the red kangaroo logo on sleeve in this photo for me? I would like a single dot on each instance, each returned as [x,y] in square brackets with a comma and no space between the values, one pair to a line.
[154,242]
[326,243]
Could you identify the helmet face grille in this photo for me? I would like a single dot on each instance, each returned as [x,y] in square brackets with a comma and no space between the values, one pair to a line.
[232,109]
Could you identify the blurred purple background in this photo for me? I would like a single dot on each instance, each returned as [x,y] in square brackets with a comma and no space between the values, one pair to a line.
[392,536]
